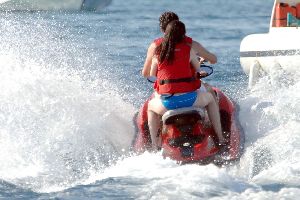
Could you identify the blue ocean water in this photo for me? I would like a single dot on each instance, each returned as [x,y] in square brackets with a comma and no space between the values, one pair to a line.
[70,85]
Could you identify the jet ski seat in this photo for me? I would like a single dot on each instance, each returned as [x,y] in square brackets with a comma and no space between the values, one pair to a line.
[183,115]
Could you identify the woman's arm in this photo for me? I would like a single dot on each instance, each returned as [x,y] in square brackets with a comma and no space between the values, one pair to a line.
[194,60]
[153,69]
[204,53]
[148,61]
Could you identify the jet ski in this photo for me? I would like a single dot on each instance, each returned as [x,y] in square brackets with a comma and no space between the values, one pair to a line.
[188,136]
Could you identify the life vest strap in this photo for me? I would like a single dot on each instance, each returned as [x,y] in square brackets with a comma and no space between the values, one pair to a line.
[179,80]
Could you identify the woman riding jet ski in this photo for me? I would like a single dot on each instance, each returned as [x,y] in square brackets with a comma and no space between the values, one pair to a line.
[186,134]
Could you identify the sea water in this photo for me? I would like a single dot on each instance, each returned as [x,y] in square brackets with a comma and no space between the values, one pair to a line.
[70,85]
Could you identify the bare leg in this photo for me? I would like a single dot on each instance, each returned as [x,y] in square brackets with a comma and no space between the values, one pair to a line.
[210,90]
[206,99]
[155,109]
[153,123]
[214,117]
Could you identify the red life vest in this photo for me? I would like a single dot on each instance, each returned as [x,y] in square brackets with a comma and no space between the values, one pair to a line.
[178,76]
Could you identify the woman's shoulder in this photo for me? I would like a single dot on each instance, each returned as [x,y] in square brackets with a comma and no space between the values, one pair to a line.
[157,41]
[188,39]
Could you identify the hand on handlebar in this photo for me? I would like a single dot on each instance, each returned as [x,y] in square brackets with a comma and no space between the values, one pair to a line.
[201,74]
[201,60]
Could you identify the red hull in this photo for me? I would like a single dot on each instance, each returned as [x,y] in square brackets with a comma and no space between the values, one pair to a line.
[203,151]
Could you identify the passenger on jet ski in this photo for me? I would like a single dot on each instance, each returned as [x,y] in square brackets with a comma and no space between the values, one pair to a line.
[176,85]
[164,19]
[200,51]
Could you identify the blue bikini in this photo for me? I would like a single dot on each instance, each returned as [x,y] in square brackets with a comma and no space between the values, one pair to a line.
[179,101]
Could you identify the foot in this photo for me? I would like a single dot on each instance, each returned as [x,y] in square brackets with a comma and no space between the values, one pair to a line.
[223,141]
[155,149]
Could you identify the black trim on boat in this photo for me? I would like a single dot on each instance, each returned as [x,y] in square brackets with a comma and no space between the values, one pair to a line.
[289,52]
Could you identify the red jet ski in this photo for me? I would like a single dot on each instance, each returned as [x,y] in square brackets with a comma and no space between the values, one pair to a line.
[188,136]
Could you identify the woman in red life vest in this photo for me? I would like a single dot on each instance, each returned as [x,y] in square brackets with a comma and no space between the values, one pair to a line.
[176,85]
[164,19]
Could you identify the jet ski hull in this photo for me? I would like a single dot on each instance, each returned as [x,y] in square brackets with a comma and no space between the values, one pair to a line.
[189,138]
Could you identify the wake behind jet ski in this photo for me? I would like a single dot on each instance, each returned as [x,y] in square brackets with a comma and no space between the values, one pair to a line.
[188,136]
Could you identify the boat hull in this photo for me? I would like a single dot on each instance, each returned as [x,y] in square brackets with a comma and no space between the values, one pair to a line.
[277,48]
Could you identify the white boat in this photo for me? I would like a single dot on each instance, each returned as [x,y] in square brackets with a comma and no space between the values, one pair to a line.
[12,5]
[280,48]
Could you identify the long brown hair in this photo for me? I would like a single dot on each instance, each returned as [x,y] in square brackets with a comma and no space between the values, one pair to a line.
[174,34]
